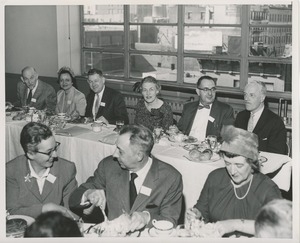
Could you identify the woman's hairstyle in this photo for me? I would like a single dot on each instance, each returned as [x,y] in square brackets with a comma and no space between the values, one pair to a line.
[150,79]
[275,220]
[32,134]
[255,165]
[140,136]
[68,71]
[53,224]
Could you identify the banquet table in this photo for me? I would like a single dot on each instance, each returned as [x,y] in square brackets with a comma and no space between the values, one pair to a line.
[86,152]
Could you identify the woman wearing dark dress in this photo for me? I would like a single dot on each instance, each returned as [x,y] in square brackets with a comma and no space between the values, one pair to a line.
[232,196]
[152,111]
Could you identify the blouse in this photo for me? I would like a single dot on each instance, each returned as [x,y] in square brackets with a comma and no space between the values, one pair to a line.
[219,202]
[162,116]
[73,103]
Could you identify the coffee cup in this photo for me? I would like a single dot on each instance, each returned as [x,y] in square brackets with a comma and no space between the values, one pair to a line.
[162,227]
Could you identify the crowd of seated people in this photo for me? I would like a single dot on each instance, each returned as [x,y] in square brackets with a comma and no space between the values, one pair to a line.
[131,181]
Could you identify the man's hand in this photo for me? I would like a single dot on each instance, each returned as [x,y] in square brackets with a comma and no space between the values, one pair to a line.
[96,197]
[138,221]
[102,119]
[193,213]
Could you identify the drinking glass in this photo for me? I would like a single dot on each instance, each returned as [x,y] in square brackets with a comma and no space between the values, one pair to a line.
[119,125]
[212,141]
[157,131]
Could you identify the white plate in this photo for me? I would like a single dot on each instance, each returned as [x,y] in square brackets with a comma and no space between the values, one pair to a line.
[152,232]
[28,219]
[215,157]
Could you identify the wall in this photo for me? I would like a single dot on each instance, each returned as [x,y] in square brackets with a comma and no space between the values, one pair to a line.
[31,39]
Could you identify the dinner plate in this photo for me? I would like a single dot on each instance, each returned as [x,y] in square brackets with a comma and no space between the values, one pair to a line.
[28,219]
[152,232]
[214,158]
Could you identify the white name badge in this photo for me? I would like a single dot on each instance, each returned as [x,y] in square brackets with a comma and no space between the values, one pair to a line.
[211,119]
[69,102]
[51,178]
[102,104]
[33,100]
[145,190]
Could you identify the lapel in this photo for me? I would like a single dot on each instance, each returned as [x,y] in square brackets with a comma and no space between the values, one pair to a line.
[49,186]
[122,181]
[149,182]
[214,112]
[24,95]
[38,91]
[261,121]
[193,111]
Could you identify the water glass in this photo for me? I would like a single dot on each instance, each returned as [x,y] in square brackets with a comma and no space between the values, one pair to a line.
[212,141]
[157,132]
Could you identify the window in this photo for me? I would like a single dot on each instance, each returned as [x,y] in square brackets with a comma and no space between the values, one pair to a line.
[179,43]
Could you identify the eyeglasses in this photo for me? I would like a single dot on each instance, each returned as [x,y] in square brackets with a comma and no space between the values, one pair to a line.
[51,151]
[213,89]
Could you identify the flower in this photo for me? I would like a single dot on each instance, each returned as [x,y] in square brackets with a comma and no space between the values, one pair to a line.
[27,177]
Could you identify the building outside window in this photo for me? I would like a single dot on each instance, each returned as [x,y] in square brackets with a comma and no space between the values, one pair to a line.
[179,43]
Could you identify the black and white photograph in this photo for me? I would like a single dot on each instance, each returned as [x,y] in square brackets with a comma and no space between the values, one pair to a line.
[156,121]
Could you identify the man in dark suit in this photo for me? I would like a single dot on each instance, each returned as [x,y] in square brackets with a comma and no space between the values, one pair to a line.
[34,92]
[206,116]
[260,120]
[158,186]
[103,103]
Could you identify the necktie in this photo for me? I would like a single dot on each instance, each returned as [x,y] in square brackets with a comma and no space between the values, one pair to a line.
[251,123]
[29,97]
[203,106]
[97,104]
[132,188]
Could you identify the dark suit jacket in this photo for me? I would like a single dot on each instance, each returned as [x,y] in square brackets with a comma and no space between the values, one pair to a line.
[163,181]
[114,109]
[221,112]
[44,94]
[23,196]
[270,130]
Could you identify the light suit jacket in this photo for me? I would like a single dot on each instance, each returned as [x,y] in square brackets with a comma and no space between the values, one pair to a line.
[221,113]
[23,196]
[162,197]
[270,130]
[44,95]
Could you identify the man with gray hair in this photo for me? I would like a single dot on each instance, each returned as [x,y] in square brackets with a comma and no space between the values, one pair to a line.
[260,120]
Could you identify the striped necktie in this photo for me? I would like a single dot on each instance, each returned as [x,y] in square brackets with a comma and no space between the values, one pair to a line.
[251,123]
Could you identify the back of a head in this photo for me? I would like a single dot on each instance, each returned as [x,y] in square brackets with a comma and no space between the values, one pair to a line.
[275,220]
[53,224]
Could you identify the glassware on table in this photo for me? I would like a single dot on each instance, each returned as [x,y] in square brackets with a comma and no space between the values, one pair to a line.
[157,132]
[119,125]
[212,141]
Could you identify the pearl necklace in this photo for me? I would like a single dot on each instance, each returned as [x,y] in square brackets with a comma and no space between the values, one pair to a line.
[234,189]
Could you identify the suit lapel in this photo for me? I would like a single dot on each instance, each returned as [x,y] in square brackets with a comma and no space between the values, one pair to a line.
[30,182]
[261,121]
[122,179]
[194,108]
[51,182]
[149,182]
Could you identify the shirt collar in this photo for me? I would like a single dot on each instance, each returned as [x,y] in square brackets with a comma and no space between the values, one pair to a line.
[35,87]
[145,169]
[34,174]
[258,112]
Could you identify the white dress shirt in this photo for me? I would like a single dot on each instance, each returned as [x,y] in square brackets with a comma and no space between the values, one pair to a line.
[39,179]
[199,126]
[257,115]
[34,89]
[100,94]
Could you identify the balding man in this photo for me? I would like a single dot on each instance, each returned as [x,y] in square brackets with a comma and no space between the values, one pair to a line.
[34,92]
[260,120]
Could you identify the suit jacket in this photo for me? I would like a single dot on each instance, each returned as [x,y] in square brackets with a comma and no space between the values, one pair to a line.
[221,112]
[76,107]
[114,108]
[44,95]
[270,130]
[164,185]
[23,196]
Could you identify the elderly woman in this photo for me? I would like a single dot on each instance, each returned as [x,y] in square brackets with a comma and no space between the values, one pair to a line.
[152,111]
[69,100]
[275,220]
[232,196]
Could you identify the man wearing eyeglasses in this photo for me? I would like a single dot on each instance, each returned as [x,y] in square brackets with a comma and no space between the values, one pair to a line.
[34,92]
[103,103]
[206,116]
[39,181]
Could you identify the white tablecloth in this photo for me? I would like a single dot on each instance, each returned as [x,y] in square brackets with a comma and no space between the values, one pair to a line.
[86,152]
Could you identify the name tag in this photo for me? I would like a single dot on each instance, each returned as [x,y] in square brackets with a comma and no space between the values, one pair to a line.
[33,100]
[102,104]
[211,119]
[69,102]
[145,190]
[51,178]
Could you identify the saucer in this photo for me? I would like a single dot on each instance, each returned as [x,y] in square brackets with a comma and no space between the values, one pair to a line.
[152,232]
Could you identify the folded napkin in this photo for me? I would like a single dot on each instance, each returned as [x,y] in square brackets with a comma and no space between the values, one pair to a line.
[72,131]
[110,138]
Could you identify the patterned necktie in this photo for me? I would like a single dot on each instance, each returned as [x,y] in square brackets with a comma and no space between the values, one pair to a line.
[251,123]
[97,104]
[132,188]
[29,97]
[203,106]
